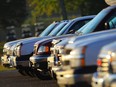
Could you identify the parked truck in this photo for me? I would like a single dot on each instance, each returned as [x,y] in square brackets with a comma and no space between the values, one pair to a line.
[79,59]
[107,20]
[106,70]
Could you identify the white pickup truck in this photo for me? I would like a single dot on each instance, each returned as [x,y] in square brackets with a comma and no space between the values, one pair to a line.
[7,50]
[79,58]
[105,20]
[106,70]
[24,49]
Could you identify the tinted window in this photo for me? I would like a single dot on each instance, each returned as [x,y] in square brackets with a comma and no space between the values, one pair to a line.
[111,22]
[77,25]
[73,26]
[98,23]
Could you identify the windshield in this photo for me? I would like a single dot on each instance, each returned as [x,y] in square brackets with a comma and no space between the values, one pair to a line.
[57,29]
[93,23]
[83,27]
[48,29]
[64,28]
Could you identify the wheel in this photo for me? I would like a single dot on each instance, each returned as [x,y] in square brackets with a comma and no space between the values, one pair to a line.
[53,75]
[43,75]
[22,72]
[29,72]
[32,72]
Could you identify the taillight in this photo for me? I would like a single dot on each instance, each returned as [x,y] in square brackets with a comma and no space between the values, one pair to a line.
[99,62]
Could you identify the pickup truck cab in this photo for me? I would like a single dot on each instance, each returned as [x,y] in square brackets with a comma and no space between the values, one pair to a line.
[79,58]
[8,49]
[105,20]
[106,70]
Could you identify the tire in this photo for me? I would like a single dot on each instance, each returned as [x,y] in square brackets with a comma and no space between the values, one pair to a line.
[29,72]
[42,75]
[22,72]
[32,72]
[53,75]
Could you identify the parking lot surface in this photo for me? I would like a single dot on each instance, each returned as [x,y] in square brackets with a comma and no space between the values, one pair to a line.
[13,79]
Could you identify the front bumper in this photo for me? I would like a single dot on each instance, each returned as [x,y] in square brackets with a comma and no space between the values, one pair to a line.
[39,61]
[96,81]
[69,78]
[50,61]
[19,61]
[5,61]
[52,65]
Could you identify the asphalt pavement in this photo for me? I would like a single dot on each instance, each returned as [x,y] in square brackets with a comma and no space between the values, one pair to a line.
[13,79]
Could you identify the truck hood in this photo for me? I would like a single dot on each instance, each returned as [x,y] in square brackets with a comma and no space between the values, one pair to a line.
[33,40]
[109,47]
[87,39]
[43,41]
[11,43]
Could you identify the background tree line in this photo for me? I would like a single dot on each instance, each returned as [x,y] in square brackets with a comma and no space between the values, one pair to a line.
[16,12]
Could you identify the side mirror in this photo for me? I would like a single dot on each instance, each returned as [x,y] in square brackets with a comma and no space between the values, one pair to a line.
[71,31]
[106,25]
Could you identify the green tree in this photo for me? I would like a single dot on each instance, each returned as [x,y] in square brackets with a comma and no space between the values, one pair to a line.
[12,12]
[49,7]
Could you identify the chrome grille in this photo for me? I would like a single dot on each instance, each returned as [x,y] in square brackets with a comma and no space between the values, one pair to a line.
[66,62]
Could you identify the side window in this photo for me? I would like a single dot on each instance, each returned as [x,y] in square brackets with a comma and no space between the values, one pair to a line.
[77,25]
[110,23]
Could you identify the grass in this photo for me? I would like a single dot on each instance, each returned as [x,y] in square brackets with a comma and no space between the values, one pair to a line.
[2,68]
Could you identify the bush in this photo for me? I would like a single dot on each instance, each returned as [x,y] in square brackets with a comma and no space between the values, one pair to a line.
[1,48]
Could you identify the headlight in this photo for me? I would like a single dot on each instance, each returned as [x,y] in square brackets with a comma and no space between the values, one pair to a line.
[4,51]
[61,49]
[74,58]
[8,51]
[18,49]
[79,50]
[35,49]
[43,49]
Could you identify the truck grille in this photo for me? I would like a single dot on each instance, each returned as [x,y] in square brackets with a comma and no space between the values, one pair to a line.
[66,62]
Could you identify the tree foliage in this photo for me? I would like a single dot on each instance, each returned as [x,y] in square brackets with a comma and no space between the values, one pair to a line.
[12,12]
[49,7]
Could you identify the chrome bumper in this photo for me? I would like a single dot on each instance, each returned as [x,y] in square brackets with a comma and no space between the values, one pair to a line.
[6,61]
[97,82]
[39,61]
[69,78]
[16,63]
